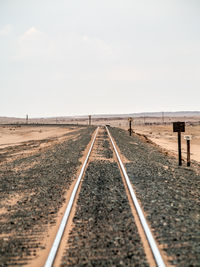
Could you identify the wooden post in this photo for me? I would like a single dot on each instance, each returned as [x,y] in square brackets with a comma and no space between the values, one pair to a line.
[188,153]
[188,138]
[179,127]
[89,119]
[179,149]
[26,119]
[130,130]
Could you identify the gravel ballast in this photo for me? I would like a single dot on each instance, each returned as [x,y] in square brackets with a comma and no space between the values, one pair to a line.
[169,195]
[104,232]
[31,193]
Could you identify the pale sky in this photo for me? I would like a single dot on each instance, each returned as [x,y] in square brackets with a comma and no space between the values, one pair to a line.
[80,57]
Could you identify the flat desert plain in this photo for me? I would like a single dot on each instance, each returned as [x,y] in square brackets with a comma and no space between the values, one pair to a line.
[10,135]
[17,141]
[163,136]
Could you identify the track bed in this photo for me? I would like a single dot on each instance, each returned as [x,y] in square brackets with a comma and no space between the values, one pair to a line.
[169,195]
[32,191]
[104,232]
[102,226]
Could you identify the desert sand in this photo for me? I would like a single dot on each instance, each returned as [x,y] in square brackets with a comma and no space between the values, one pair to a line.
[13,135]
[163,136]
[19,141]
[158,132]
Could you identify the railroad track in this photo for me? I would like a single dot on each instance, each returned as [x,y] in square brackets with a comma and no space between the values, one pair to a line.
[109,157]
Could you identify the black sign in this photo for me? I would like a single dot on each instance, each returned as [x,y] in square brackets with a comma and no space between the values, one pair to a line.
[179,126]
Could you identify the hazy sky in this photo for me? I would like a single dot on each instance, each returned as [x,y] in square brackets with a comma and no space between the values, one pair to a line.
[98,56]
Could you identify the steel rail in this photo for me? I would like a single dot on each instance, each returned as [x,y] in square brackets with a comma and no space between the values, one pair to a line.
[155,251]
[52,254]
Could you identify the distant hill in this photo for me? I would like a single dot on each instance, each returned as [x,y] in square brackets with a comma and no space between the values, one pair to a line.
[98,116]
[149,114]
[168,114]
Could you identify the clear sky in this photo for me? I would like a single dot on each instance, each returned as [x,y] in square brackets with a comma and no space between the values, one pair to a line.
[63,57]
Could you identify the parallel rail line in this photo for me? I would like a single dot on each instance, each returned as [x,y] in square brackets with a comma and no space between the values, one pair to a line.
[149,236]
[56,243]
[151,241]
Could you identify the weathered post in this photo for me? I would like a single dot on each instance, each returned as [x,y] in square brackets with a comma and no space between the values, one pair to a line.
[188,138]
[130,122]
[89,119]
[27,119]
[179,149]
[179,127]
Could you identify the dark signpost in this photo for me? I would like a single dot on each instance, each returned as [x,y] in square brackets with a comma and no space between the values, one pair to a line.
[90,119]
[179,127]
[130,129]
[188,138]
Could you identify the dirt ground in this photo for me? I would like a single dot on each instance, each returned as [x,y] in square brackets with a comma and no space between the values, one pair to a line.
[35,178]
[19,141]
[163,136]
[13,135]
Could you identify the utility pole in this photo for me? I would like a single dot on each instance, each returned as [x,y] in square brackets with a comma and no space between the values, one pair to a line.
[130,128]
[90,119]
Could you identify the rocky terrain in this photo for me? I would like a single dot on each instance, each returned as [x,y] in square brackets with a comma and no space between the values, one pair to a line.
[31,193]
[169,195]
[104,232]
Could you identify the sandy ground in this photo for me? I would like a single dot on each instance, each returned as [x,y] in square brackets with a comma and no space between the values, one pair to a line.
[163,136]
[13,135]
[20,141]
